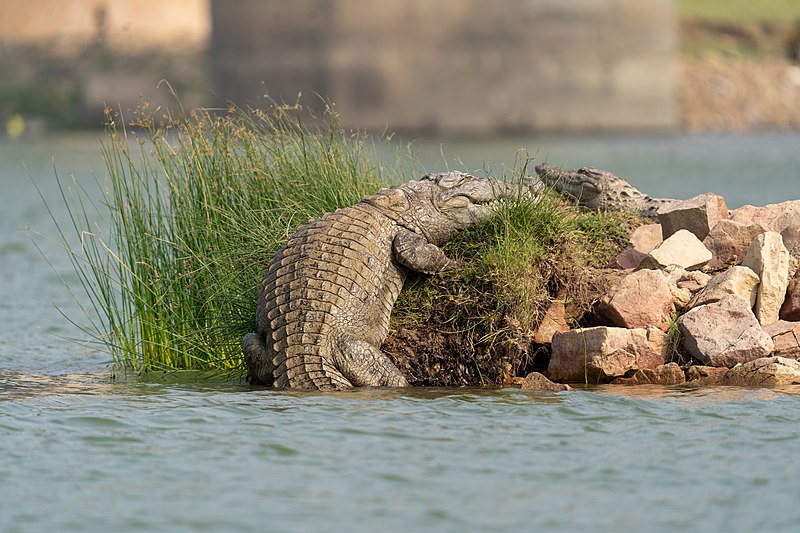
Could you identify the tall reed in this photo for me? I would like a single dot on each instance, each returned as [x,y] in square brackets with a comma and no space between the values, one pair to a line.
[191,212]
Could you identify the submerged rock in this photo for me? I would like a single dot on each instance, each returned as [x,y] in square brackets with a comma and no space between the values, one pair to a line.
[537,381]
[724,333]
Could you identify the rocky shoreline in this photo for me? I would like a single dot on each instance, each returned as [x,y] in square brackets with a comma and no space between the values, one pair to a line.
[706,296]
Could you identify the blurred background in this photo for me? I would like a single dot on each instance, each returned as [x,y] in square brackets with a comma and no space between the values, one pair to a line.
[450,67]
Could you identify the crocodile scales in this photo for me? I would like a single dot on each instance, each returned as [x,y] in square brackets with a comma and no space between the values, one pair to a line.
[323,311]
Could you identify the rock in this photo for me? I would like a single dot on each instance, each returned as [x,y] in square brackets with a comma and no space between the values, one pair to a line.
[682,249]
[683,283]
[669,374]
[728,242]
[642,242]
[600,354]
[786,337]
[641,299]
[762,372]
[706,373]
[645,238]
[769,259]
[698,215]
[537,381]
[724,333]
[554,321]
[773,217]
[791,239]
[694,280]
[790,310]
[737,281]
[627,259]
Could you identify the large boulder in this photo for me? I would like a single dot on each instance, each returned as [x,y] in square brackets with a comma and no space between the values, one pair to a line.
[682,248]
[737,281]
[773,217]
[641,299]
[769,259]
[724,333]
[762,372]
[697,215]
[728,242]
[786,337]
[601,353]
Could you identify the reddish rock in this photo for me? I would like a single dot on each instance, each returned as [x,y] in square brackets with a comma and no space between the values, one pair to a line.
[601,354]
[627,259]
[697,215]
[554,321]
[790,310]
[728,242]
[724,333]
[773,217]
[669,374]
[642,242]
[682,248]
[786,337]
[641,299]
[769,259]
[537,381]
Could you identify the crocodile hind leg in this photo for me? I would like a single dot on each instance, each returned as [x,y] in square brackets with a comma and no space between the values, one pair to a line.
[260,368]
[365,365]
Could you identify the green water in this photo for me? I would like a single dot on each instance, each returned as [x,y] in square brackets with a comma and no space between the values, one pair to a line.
[80,451]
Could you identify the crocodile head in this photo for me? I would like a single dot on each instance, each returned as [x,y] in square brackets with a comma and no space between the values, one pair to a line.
[440,205]
[585,185]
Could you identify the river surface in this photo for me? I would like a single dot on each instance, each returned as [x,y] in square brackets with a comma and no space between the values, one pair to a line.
[80,451]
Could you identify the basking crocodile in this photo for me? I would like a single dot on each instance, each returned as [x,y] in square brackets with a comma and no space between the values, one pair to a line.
[323,311]
[601,190]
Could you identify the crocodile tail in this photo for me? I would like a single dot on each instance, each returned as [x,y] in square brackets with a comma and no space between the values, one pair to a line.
[307,365]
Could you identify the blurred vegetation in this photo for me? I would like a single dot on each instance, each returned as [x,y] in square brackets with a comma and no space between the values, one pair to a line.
[738,27]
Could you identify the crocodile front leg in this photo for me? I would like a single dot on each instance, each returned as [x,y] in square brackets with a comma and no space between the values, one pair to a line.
[415,252]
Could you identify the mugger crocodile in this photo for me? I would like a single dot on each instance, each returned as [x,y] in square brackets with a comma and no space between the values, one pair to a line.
[600,190]
[323,309]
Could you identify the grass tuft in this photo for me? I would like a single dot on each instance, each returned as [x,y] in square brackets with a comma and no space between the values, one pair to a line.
[192,210]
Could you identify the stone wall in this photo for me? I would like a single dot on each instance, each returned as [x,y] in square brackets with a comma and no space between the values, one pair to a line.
[456,66]
[122,25]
